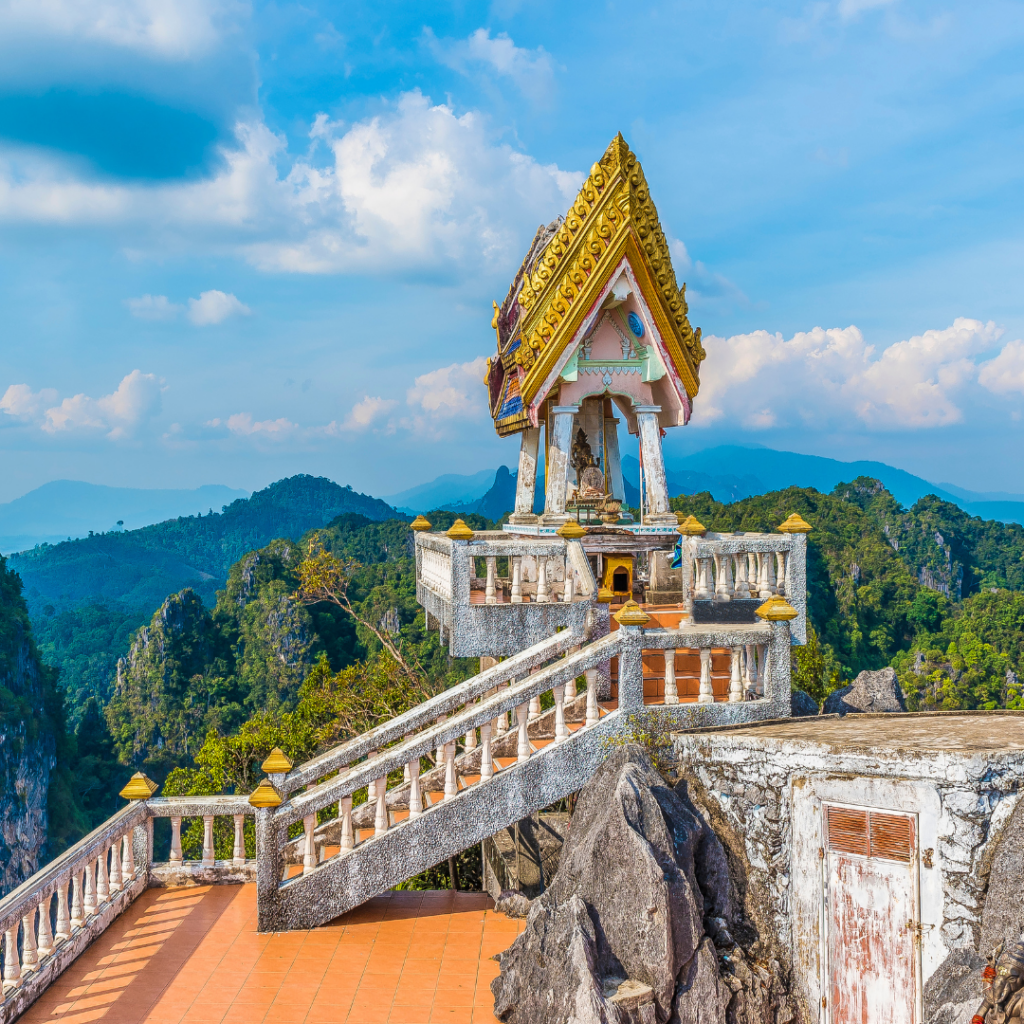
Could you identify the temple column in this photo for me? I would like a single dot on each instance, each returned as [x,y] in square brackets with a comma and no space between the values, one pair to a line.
[526,480]
[613,461]
[658,510]
[558,465]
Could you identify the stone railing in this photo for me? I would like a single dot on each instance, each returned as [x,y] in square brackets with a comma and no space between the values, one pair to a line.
[492,594]
[410,820]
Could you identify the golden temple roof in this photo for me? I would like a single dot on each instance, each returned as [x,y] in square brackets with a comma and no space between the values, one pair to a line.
[570,263]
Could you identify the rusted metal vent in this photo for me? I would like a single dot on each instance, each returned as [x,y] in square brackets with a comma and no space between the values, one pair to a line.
[870,834]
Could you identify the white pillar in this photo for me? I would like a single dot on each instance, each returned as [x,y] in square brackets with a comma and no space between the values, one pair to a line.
[780,575]
[238,851]
[736,675]
[569,593]
[78,901]
[12,965]
[308,846]
[764,575]
[486,761]
[29,949]
[90,889]
[751,668]
[542,580]
[593,710]
[654,465]
[723,577]
[489,594]
[526,479]
[128,855]
[415,794]
[451,785]
[523,750]
[613,461]
[45,944]
[517,579]
[707,693]
[102,878]
[561,729]
[63,917]
[671,689]
[208,853]
[175,854]
[380,818]
[558,464]
[115,865]
[347,841]
[741,587]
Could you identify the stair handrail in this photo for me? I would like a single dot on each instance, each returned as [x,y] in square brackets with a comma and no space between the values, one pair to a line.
[442,703]
[437,734]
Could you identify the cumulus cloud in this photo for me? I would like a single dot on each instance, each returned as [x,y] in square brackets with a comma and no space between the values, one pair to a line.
[532,71]
[117,415]
[823,378]
[367,412]
[1005,373]
[213,307]
[416,188]
[167,29]
[451,392]
[152,307]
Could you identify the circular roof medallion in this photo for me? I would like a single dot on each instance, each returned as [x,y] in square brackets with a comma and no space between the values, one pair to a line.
[636,325]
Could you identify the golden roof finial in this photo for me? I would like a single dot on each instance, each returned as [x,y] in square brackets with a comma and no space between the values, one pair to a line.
[794,524]
[691,527]
[460,531]
[277,762]
[140,787]
[420,523]
[776,609]
[571,531]
[632,614]
[265,795]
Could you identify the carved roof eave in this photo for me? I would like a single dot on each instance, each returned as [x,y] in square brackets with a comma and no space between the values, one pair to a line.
[612,217]
[661,344]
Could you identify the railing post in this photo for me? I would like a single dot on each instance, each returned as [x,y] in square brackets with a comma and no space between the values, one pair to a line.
[523,750]
[415,794]
[115,865]
[489,594]
[542,580]
[45,943]
[348,841]
[175,854]
[736,675]
[569,593]
[516,592]
[780,575]
[741,586]
[309,846]
[102,878]
[268,870]
[78,901]
[451,785]
[707,693]
[631,620]
[561,730]
[12,966]
[238,850]
[63,918]
[209,855]
[29,947]
[486,761]
[593,710]
[671,687]
[90,889]
[380,814]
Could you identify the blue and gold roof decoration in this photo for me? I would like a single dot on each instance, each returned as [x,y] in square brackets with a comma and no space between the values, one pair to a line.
[569,263]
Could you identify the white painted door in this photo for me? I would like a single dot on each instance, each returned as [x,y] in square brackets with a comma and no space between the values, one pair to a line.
[871,917]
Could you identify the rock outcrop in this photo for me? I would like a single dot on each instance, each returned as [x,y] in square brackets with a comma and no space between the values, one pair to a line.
[804,705]
[635,927]
[869,692]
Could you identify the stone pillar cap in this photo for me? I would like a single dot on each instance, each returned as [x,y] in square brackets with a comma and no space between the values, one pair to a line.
[266,795]
[420,523]
[795,524]
[776,609]
[460,531]
[140,787]
[277,761]
[631,614]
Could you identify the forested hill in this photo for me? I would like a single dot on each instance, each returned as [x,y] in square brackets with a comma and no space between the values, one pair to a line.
[930,590]
[139,568]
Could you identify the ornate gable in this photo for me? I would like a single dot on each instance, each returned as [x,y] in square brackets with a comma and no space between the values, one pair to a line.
[571,261]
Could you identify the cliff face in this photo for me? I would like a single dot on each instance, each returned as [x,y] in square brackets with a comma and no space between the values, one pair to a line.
[27,743]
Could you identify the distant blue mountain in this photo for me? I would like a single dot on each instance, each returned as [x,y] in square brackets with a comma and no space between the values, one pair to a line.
[71,508]
[443,492]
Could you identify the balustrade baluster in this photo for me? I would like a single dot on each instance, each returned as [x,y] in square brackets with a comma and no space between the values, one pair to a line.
[489,595]
[451,785]
[405,770]
[762,675]
[569,594]
[380,817]
[570,690]
[741,587]
[238,849]
[78,901]
[542,580]
[750,668]
[469,740]
[44,945]
[415,794]
[209,856]
[671,687]
[90,889]
[128,855]
[523,750]
[29,949]
[63,917]
[102,878]
[516,595]
[439,752]
[175,854]
[752,572]
[707,694]
[593,710]
[703,579]
[309,844]
[736,675]
[780,573]
[115,865]
[486,760]
[764,585]
[12,966]
[347,841]
[535,709]
[723,577]
[561,729]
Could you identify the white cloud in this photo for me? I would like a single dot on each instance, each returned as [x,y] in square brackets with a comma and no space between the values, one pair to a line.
[1005,373]
[168,29]
[118,415]
[213,307]
[825,378]
[367,411]
[242,424]
[532,71]
[451,392]
[415,188]
[152,307]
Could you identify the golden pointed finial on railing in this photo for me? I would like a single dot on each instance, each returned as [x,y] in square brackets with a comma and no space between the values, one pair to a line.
[140,787]
[795,524]
[277,762]
[420,523]
[265,795]
[459,531]
[605,596]
[571,531]
[776,609]
[690,526]
[632,614]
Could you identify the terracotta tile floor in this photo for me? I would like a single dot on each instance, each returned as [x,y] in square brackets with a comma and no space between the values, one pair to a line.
[193,956]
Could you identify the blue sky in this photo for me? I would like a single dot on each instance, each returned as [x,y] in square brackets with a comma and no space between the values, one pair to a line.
[239,241]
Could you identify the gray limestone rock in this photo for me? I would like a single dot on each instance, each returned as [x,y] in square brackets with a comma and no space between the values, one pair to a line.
[512,904]
[804,704]
[954,991]
[1003,917]
[869,692]
[701,997]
